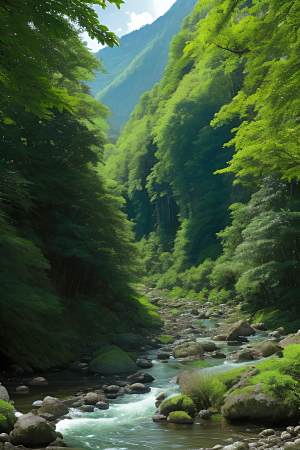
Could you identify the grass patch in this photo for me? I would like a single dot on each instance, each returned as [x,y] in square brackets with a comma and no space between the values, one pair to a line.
[273,318]
[204,389]
[166,338]
[201,364]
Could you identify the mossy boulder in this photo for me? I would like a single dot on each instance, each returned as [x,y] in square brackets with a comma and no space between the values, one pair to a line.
[178,403]
[268,348]
[189,349]
[251,402]
[111,360]
[267,391]
[32,430]
[7,417]
[179,417]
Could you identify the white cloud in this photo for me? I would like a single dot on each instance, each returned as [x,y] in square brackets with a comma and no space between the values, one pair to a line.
[92,43]
[138,20]
[162,6]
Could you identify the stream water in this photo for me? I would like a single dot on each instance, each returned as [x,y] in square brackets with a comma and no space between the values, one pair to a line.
[128,424]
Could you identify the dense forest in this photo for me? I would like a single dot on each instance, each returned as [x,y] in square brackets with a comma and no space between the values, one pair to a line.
[199,196]
[209,161]
[67,250]
[136,65]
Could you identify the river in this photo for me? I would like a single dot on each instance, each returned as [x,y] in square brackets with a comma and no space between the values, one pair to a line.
[128,424]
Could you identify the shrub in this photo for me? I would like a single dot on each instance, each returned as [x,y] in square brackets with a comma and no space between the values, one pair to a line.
[204,389]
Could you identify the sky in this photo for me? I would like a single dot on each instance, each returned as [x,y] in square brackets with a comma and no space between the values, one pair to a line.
[132,16]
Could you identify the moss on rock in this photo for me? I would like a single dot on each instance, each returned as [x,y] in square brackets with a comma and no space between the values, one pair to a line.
[7,417]
[270,390]
[178,403]
[179,417]
[112,360]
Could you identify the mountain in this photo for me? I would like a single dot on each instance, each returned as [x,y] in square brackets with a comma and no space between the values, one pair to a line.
[139,63]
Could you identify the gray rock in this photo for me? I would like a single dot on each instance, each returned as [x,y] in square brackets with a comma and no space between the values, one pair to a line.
[70,402]
[189,349]
[37,403]
[158,417]
[22,390]
[39,381]
[218,355]
[92,398]
[209,346]
[205,414]
[4,437]
[144,363]
[140,377]
[87,408]
[32,430]
[267,432]
[52,405]
[4,394]
[285,436]
[102,405]
[137,388]
[238,330]
[112,389]
[48,417]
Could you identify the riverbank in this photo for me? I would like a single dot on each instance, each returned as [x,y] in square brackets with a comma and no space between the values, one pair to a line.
[127,419]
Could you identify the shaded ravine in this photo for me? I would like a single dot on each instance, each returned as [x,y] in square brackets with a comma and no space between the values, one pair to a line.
[128,423]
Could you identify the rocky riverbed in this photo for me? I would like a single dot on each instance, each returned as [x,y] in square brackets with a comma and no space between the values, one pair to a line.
[192,338]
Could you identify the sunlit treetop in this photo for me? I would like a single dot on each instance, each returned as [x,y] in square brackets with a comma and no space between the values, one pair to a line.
[39,38]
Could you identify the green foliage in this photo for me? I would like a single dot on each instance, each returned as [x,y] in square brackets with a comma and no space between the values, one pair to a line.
[178,403]
[203,364]
[7,417]
[51,45]
[178,415]
[166,338]
[204,389]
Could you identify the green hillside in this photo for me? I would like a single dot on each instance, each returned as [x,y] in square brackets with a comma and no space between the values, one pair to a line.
[137,64]
[209,160]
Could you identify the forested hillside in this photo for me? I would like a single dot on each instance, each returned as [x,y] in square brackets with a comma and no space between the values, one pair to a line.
[137,64]
[67,250]
[209,229]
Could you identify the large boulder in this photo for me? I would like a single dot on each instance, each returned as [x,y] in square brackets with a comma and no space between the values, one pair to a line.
[254,404]
[291,339]
[92,398]
[32,430]
[268,348]
[7,417]
[189,349]
[178,403]
[111,360]
[239,329]
[52,405]
[129,342]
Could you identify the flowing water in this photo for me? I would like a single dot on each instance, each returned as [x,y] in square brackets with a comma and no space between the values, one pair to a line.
[128,424]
